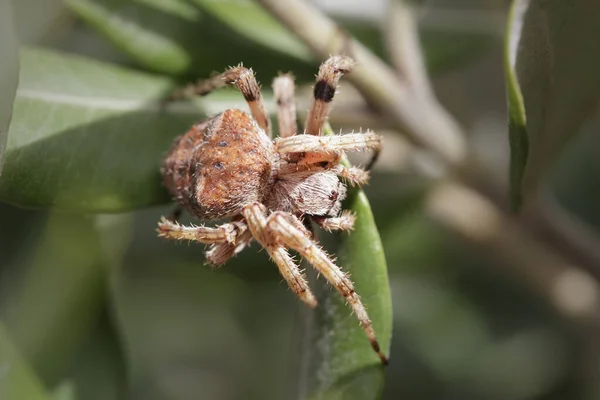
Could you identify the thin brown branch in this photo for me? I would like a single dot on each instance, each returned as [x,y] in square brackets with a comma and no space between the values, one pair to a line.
[570,290]
[403,45]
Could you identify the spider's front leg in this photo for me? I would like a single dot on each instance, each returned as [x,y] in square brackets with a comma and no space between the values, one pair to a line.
[328,148]
[256,219]
[225,233]
[318,149]
[282,227]
[239,76]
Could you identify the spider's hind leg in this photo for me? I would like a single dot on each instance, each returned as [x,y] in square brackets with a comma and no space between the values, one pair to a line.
[281,226]
[256,219]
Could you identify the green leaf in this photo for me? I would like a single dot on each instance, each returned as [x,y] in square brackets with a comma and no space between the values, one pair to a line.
[99,373]
[59,295]
[10,72]
[553,84]
[89,136]
[342,363]
[65,391]
[249,20]
[176,37]
[17,380]
[444,50]
[39,21]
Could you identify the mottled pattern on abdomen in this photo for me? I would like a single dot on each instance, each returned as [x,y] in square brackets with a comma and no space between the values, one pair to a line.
[219,165]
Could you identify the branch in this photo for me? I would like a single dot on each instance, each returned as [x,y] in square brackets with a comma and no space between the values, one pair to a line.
[404,47]
[570,290]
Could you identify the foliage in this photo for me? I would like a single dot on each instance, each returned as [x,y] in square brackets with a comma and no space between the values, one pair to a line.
[94,306]
[553,83]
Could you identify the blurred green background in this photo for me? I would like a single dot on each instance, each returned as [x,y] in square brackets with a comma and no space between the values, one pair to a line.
[94,306]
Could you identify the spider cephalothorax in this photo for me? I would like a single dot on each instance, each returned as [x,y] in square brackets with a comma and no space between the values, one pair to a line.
[229,167]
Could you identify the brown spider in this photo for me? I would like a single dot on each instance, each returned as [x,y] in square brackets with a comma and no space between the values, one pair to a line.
[229,167]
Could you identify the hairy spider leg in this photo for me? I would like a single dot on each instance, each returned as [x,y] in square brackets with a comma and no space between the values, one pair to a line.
[283,89]
[225,233]
[317,149]
[343,222]
[280,226]
[219,253]
[245,81]
[328,77]
[256,219]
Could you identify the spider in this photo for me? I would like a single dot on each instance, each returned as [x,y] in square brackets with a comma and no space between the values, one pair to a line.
[228,167]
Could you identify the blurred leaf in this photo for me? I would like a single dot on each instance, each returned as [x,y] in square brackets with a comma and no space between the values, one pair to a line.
[552,66]
[17,380]
[10,72]
[343,364]
[99,372]
[176,37]
[40,21]
[249,20]
[65,391]
[87,135]
[444,50]
[573,178]
[59,295]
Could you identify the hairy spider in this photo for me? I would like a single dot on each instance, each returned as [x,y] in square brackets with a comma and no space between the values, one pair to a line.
[229,167]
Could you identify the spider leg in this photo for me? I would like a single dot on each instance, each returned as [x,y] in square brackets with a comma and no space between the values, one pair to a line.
[328,77]
[225,233]
[316,149]
[220,253]
[283,88]
[344,222]
[287,234]
[241,77]
[329,145]
[256,219]
[354,175]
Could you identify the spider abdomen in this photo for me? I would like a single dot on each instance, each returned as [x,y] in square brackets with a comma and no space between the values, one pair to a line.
[219,165]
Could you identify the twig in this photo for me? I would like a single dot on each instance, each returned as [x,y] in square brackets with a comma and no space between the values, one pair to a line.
[403,45]
[572,291]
